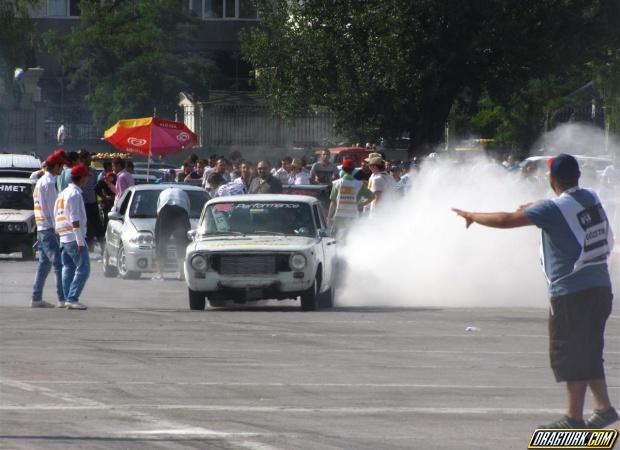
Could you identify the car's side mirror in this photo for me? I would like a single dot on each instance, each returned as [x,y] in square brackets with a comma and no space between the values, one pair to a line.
[191,235]
[113,215]
[324,233]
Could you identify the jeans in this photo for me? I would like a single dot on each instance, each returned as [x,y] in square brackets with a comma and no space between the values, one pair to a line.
[75,270]
[49,255]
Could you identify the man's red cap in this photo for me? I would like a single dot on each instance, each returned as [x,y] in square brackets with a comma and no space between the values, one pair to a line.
[79,170]
[348,164]
[57,158]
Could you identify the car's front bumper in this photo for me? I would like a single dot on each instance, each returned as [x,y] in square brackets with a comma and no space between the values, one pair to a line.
[250,287]
[15,242]
[143,259]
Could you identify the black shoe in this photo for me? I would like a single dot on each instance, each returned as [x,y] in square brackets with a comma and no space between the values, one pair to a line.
[564,422]
[600,419]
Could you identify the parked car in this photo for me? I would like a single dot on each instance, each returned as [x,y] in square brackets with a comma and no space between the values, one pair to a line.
[130,245]
[17,165]
[319,191]
[256,247]
[18,229]
[339,154]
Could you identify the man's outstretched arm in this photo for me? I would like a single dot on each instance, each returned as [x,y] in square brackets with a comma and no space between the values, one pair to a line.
[495,219]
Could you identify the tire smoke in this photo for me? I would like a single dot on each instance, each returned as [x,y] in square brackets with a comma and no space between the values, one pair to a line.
[416,252]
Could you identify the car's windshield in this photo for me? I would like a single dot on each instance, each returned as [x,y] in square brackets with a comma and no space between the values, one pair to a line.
[144,203]
[16,196]
[287,218]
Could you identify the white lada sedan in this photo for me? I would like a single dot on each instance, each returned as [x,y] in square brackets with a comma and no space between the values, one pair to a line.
[130,246]
[256,247]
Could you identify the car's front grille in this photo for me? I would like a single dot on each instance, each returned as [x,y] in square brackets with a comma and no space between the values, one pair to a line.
[247,264]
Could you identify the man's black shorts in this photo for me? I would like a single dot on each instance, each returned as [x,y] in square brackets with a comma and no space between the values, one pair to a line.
[576,334]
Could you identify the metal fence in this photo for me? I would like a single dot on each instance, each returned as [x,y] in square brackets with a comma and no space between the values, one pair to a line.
[221,125]
[17,126]
[241,125]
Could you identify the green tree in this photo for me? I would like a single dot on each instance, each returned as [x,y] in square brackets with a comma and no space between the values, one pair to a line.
[391,67]
[16,42]
[133,56]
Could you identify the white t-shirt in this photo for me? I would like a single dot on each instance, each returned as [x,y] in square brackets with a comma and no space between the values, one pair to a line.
[174,197]
[281,175]
[300,178]
[384,183]
[44,200]
[69,208]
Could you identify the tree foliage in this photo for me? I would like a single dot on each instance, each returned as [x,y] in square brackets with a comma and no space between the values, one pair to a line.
[133,56]
[16,41]
[388,67]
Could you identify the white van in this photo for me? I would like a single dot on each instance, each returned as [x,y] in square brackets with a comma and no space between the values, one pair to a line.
[15,165]
[18,229]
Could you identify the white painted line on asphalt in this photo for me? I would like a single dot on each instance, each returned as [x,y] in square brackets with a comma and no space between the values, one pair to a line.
[252,445]
[305,385]
[291,410]
[189,431]
[161,427]
[28,387]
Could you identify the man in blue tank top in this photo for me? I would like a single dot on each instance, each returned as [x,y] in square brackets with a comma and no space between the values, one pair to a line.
[576,242]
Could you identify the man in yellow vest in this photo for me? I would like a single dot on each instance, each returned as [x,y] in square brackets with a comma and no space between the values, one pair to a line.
[44,196]
[347,193]
[70,215]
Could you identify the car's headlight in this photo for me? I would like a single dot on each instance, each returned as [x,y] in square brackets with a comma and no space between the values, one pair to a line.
[141,238]
[297,261]
[17,227]
[199,263]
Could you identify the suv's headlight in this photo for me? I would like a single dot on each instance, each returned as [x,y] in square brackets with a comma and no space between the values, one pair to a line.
[199,263]
[141,238]
[297,261]
[17,227]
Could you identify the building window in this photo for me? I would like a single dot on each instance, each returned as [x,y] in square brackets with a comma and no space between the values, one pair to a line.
[223,9]
[63,8]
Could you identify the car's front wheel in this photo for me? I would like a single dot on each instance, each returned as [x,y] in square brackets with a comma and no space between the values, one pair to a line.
[123,271]
[109,271]
[310,297]
[197,300]
[27,252]
[326,299]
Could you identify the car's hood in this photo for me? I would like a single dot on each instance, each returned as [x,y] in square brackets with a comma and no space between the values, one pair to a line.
[149,224]
[15,215]
[254,243]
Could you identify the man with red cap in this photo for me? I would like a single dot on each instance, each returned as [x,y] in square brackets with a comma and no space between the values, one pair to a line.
[347,194]
[71,224]
[44,196]
[576,242]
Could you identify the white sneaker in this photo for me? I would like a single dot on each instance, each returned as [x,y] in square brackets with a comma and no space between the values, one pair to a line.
[61,304]
[75,305]
[41,304]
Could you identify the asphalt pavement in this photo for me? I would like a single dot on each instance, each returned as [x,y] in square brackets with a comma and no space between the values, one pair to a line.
[138,370]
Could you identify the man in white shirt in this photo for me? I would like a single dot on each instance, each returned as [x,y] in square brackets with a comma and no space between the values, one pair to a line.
[71,222]
[380,183]
[61,134]
[44,196]
[297,174]
[284,172]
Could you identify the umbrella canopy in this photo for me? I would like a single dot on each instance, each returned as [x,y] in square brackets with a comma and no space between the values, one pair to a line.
[150,136]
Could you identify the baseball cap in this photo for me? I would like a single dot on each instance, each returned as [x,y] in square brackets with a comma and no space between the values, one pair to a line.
[348,164]
[564,167]
[57,158]
[375,161]
[372,155]
[79,170]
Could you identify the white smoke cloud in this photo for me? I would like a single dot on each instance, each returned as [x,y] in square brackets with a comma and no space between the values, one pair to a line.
[418,253]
